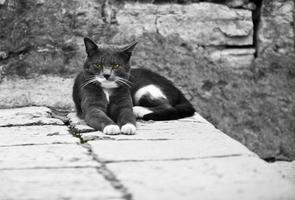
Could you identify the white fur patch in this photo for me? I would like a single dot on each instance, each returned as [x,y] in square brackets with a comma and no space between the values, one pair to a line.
[140,111]
[152,90]
[109,84]
[106,83]
[128,129]
[111,130]
[108,93]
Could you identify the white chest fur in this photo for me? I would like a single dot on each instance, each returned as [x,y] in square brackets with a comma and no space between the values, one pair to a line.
[153,91]
[108,93]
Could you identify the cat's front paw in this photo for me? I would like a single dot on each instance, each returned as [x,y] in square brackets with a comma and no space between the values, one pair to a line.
[111,130]
[128,129]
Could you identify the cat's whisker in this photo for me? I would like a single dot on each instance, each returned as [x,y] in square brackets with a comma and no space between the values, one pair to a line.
[124,83]
[88,82]
[127,81]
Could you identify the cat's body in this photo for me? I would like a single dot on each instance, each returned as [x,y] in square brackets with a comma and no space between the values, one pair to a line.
[111,96]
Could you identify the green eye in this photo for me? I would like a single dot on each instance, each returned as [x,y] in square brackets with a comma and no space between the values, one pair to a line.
[115,66]
[99,66]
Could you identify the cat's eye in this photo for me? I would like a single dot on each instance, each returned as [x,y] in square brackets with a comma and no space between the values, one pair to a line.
[99,66]
[115,66]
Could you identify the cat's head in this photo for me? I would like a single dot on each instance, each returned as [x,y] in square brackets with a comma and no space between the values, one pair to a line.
[108,66]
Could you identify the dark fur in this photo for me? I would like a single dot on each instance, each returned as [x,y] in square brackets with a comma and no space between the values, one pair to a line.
[91,102]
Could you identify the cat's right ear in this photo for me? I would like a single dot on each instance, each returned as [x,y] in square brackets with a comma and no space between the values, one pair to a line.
[90,46]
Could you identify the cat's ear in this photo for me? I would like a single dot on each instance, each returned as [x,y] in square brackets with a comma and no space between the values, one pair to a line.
[127,50]
[90,46]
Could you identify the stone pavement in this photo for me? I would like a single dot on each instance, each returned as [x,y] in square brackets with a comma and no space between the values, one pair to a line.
[42,158]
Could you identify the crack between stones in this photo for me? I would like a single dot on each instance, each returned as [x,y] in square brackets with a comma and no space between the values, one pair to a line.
[32,144]
[178,159]
[103,170]
[49,168]
[109,175]
[30,124]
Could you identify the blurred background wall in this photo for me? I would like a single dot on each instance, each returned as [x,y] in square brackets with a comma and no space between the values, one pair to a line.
[233,59]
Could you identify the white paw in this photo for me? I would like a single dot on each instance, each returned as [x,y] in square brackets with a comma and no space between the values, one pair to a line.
[128,129]
[140,111]
[111,130]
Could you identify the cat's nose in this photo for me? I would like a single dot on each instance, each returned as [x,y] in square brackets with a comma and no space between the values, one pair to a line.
[107,76]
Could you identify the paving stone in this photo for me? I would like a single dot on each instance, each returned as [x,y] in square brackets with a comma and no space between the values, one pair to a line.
[146,130]
[74,184]
[78,125]
[286,169]
[204,146]
[229,178]
[27,116]
[25,135]
[149,131]
[44,156]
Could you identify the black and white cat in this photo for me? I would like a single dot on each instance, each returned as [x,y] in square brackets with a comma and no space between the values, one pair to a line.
[109,94]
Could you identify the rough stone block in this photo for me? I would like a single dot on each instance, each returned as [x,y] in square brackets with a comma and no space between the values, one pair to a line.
[28,135]
[233,58]
[43,184]
[44,156]
[276,28]
[47,90]
[286,169]
[169,140]
[27,116]
[203,23]
[226,178]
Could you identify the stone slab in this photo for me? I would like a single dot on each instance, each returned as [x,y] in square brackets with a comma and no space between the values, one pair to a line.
[228,178]
[200,23]
[27,116]
[233,58]
[45,156]
[79,126]
[44,184]
[139,150]
[286,169]
[27,135]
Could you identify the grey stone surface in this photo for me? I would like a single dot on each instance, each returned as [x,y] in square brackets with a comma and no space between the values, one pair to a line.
[286,169]
[44,90]
[27,116]
[202,23]
[44,184]
[45,156]
[276,28]
[181,159]
[227,178]
[233,58]
[26,135]
[137,150]
[179,139]
[78,125]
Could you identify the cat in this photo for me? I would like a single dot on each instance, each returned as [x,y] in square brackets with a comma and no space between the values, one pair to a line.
[109,95]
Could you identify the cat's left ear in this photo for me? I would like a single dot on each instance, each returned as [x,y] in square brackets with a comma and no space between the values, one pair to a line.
[90,46]
[128,49]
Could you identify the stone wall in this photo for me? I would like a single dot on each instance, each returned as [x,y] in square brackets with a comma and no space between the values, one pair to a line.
[207,48]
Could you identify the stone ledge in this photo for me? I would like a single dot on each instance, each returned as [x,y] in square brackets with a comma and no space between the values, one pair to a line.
[33,135]
[187,158]
[44,184]
[27,116]
[45,156]
[243,178]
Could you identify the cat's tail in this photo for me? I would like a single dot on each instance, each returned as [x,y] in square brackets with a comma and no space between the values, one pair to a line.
[181,110]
